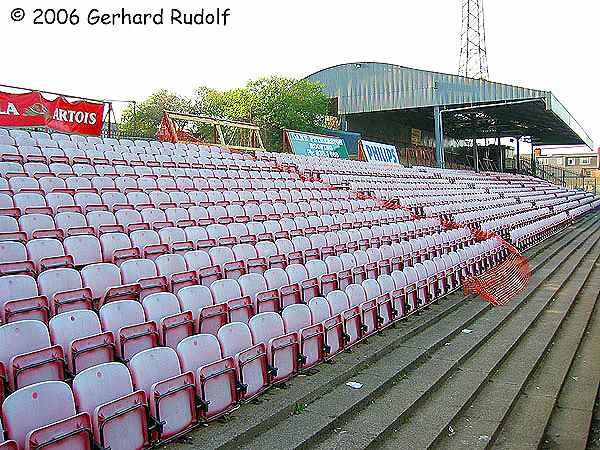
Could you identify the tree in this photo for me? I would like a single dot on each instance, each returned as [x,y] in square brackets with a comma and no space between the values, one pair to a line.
[273,103]
[149,112]
[286,103]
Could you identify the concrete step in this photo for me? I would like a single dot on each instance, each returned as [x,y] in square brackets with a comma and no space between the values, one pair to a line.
[500,337]
[557,332]
[574,388]
[542,389]
[570,422]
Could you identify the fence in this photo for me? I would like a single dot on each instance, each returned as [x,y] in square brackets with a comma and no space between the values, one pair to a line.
[554,174]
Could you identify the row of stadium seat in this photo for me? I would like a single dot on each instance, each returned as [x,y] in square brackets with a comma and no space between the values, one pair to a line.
[61,138]
[205,375]
[293,238]
[171,294]
[92,286]
[86,200]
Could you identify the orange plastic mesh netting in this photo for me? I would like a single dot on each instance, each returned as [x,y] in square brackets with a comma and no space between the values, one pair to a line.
[500,284]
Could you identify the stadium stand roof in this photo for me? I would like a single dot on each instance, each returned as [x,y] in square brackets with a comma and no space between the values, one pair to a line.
[469,107]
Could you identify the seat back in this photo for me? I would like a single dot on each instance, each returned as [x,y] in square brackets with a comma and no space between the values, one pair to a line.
[106,393]
[170,393]
[80,335]
[36,406]
[125,319]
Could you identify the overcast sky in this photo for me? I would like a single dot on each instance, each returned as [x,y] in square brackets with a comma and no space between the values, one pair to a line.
[549,45]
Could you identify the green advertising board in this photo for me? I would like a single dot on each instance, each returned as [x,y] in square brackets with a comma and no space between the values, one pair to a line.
[316,145]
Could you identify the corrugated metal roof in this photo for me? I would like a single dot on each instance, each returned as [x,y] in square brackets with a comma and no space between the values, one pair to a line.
[369,87]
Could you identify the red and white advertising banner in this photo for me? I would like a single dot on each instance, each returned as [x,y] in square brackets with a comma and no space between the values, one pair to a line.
[33,110]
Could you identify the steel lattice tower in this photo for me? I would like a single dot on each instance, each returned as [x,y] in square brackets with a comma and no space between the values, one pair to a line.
[473,54]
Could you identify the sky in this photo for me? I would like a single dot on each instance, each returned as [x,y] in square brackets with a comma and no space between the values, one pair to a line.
[548,45]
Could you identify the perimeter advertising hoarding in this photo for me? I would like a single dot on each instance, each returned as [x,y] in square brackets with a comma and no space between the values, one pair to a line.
[310,144]
[375,151]
[33,110]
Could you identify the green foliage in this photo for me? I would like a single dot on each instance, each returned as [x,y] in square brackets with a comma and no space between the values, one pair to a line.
[149,112]
[273,103]
[286,103]
[299,408]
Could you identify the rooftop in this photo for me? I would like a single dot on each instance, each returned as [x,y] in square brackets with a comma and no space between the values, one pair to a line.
[472,107]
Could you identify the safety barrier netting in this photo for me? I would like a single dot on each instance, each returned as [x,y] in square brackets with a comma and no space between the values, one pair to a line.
[497,285]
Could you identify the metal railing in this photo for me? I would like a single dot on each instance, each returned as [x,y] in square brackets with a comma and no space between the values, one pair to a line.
[554,174]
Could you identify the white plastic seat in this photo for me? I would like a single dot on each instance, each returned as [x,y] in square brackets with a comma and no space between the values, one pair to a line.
[127,217]
[20,183]
[173,324]
[106,393]
[61,201]
[240,307]
[87,200]
[20,299]
[116,248]
[174,268]
[298,274]
[250,359]
[33,168]
[78,183]
[85,249]
[248,254]
[138,198]
[153,216]
[64,290]
[269,251]
[170,393]
[112,199]
[225,258]
[350,309]
[333,325]
[318,270]
[282,349]
[298,319]
[176,215]
[255,286]
[82,340]
[29,202]
[43,415]
[176,239]
[8,225]
[148,243]
[106,284]
[103,222]
[14,259]
[194,298]
[72,223]
[145,273]
[27,354]
[216,378]
[127,322]
[276,279]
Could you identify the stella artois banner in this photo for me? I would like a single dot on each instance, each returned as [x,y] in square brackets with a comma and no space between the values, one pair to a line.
[33,110]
